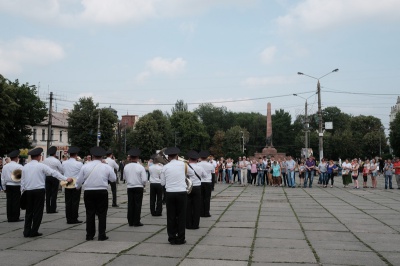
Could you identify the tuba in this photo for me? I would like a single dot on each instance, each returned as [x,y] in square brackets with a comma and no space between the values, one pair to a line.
[16,175]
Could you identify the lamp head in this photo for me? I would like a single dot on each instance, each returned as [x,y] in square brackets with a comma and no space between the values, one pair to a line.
[300,73]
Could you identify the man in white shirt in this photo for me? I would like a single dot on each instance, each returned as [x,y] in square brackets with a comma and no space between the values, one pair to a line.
[174,179]
[206,184]
[111,162]
[12,187]
[72,168]
[136,178]
[214,164]
[156,190]
[52,184]
[194,198]
[33,180]
[96,176]
[243,171]
[290,167]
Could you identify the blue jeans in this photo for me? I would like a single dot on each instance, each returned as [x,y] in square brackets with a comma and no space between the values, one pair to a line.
[323,178]
[290,178]
[388,178]
[260,178]
[230,175]
[309,174]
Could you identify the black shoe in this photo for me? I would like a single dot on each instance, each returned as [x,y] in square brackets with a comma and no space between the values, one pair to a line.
[179,242]
[115,205]
[103,238]
[36,234]
[75,222]
[53,212]
[391,188]
[89,238]
[14,221]
[137,225]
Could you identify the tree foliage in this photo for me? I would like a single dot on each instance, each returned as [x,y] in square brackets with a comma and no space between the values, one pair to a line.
[21,108]
[83,123]
[180,106]
[394,136]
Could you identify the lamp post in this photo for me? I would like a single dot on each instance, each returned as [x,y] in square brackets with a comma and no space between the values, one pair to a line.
[242,142]
[380,141]
[305,122]
[320,131]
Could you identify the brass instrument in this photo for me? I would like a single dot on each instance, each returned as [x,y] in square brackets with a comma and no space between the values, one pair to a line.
[16,175]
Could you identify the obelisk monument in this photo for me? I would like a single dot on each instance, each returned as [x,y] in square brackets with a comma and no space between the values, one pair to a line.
[269,127]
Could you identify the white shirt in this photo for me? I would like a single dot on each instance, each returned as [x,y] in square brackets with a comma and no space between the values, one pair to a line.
[71,167]
[6,174]
[200,172]
[155,173]
[96,175]
[173,176]
[53,163]
[346,166]
[34,175]
[214,164]
[112,163]
[135,175]
[208,168]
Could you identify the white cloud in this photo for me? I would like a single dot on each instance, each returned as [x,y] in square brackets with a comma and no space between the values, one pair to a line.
[112,12]
[268,54]
[28,51]
[265,81]
[313,15]
[187,27]
[159,65]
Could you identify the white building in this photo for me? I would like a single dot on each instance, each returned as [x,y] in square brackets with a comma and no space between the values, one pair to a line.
[395,109]
[59,133]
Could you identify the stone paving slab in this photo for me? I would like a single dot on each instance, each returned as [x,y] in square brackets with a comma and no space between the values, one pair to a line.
[160,250]
[283,255]
[144,260]
[102,247]
[76,259]
[204,262]
[220,252]
[43,244]
[226,241]
[345,257]
[16,257]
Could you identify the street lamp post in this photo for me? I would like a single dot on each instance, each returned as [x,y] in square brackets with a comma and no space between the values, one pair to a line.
[242,142]
[305,122]
[320,131]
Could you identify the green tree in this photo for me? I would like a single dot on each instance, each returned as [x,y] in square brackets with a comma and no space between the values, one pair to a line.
[192,132]
[213,118]
[180,106]
[83,123]
[394,135]
[152,132]
[217,148]
[235,137]
[283,132]
[21,108]
[339,120]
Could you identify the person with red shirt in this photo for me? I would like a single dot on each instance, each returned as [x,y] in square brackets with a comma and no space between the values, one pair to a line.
[396,167]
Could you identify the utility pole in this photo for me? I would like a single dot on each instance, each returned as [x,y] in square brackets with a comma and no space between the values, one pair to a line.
[98,130]
[125,138]
[49,135]
[306,129]
[242,142]
[320,132]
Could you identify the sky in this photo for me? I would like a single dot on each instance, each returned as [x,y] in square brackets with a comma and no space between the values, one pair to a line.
[140,55]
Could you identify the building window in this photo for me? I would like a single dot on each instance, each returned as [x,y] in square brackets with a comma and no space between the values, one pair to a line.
[43,134]
[60,135]
[34,134]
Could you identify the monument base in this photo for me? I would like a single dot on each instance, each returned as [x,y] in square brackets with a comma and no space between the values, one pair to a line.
[269,152]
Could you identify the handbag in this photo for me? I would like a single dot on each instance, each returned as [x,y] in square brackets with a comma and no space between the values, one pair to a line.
[189,183]
[23,201]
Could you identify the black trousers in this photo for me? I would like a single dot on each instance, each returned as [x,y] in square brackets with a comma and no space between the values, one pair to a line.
[114,192]
[284,177]
[135,198]
[34,211]
[156,193]
[205,199]
[52,185]
[176,216]
[72,199]
[213,180]
[193,208]
[96,203]
[13,198]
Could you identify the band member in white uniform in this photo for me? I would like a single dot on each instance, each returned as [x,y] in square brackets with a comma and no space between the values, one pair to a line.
[12,187]
[111,162]
[52,184]
[136,179]
[156,190]
[33,180]
[194,198]
[174,179]
[96,176]
[206,184]
[72,168]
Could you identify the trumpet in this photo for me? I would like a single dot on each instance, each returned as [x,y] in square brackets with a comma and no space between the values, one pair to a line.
[16,175]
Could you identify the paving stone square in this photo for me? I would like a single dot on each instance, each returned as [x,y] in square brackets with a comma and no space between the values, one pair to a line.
[250,225]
